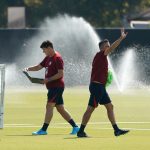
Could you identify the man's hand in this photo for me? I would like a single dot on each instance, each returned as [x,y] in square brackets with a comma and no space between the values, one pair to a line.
[26,69]
[45,81]
[117,42]
[123,34]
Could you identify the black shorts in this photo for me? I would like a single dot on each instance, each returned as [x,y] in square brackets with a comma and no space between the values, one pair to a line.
[55,95]
[98,95]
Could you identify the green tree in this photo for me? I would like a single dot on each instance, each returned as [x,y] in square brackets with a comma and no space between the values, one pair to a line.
[99,13]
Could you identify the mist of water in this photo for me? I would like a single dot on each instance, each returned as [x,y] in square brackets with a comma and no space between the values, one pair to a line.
[77,42]
[73,37]
[114,74]
[127,69]
[132,69]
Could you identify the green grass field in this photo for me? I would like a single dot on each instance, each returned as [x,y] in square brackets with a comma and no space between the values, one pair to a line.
[24,113]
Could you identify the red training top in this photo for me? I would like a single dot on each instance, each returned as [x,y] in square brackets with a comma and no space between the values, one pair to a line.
[99,68]
[52,65]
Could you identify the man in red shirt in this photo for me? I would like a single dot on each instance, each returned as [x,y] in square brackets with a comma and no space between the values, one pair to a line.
[54,81]
[97,88]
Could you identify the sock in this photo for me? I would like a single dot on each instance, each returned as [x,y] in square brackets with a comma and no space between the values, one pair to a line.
[115,127]
[45,126]
[72,123]
[82,128]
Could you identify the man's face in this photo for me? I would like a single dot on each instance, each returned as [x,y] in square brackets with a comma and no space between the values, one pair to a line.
[105,46]
[47,51]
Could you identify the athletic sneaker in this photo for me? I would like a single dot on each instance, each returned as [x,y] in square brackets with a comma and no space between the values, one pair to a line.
[74,130]
[81,134]
[120,132]
[40,132]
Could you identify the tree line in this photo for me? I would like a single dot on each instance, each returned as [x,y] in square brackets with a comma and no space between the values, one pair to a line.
[100,13]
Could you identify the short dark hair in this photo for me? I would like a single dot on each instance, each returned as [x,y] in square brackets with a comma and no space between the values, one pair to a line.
[46,44]
[103,42]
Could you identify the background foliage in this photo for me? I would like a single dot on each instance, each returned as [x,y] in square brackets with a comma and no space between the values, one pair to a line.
[99,13]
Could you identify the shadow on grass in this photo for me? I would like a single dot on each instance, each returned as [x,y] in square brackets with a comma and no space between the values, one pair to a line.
[86,137]
[35,135]
[76,138]
[20,135]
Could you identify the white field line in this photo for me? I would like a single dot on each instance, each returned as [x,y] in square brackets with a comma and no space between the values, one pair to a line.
[109,123]
[133,129]
[53,125]
[64,123]
[17,124]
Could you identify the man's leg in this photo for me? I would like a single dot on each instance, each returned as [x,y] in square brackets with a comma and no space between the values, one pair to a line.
[110,113]
[48,114]
[111,116]
[85,119]
[48,117]
[87,115]
[65,114]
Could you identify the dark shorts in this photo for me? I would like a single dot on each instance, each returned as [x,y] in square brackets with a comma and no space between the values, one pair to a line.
[98,95]
[55,95]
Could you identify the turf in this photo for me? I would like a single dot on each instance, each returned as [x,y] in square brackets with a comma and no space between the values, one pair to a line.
[24,113]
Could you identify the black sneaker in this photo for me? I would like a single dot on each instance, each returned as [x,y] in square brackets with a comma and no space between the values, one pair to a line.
[120,132]
[81,134]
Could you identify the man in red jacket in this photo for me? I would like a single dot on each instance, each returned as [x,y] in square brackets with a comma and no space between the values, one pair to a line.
[97,89]
[54,81]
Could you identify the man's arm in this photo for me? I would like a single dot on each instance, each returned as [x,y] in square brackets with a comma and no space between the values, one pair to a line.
[54,77]
[34,68]
[117,42]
